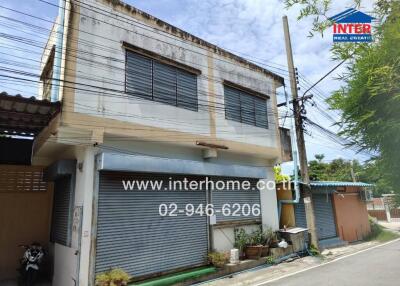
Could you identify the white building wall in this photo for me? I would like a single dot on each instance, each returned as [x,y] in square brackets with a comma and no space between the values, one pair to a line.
[71,264]
[107,70]
[108,66]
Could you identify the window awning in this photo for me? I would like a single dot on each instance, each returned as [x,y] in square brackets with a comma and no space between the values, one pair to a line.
[24,116]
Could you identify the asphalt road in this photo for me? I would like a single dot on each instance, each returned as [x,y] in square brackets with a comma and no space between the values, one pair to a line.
[378,266]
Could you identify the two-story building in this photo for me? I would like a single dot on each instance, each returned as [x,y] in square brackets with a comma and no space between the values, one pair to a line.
[143,100]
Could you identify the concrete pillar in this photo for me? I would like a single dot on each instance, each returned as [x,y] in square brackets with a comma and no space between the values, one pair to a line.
[388,216]
[269,203]
[84,188]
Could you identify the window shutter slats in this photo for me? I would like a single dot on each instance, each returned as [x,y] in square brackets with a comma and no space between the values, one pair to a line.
[232,104]
[245,108]
[187,90]
[164,84]
[139,76]
[261,113]
[152,80]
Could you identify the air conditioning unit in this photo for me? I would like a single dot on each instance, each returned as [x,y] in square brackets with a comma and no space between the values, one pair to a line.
[366,195]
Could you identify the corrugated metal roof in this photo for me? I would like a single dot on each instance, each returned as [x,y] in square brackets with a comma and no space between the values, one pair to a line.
[339,184]
[25,116]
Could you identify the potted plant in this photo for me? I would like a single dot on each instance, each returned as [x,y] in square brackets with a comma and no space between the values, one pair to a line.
[254,245]
[102,279]
[114,277]
[119,277]
[268,237]
[218,259]
[241,239]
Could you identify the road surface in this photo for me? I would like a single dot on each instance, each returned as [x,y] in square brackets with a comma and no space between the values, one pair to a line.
[377,266]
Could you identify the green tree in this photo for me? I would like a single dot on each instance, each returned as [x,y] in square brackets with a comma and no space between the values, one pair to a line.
[279,177]
[318,169]
[370,95]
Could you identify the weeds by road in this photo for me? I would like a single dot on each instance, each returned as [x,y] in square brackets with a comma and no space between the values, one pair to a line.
[380,233]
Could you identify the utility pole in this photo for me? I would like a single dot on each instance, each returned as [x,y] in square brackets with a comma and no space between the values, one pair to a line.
[353,175]
[308,204]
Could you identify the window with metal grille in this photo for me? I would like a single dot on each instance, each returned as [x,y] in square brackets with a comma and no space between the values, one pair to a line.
[150,79]
[244,107]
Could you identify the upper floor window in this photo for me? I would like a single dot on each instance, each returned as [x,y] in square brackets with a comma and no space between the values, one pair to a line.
[153,80]
[244,107]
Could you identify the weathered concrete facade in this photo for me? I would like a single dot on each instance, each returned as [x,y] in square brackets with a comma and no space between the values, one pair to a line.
[99,116]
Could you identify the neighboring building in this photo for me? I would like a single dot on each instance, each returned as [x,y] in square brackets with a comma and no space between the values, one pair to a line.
[376,204]
[340,211]
[144,100]
[384,208]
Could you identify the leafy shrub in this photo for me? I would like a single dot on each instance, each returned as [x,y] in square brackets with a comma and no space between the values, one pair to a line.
[313,250]
[270,260]
[113,277]
[218,259]
[241,239]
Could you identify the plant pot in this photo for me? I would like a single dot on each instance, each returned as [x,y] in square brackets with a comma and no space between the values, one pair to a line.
[265,251]
[253,252]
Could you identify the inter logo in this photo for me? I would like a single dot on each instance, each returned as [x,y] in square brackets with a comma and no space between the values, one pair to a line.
[352,26]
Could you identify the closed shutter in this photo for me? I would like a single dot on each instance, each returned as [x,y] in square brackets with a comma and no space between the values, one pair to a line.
[235,199]
[187,90]
[261,112]
[232,104]
[61,218]
[153,80]
[164,84]
[247,109]
[132,235]
[324,216]
[139,75]
[300,213]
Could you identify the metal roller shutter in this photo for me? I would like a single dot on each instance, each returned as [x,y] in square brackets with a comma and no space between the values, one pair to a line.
[132,235]
[300,213]
[61,218]
[324,216]
[231,197]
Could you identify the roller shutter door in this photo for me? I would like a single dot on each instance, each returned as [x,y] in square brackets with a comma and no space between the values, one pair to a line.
[301,220]
[325,217]
[236,199]
[62,209]
[132,235]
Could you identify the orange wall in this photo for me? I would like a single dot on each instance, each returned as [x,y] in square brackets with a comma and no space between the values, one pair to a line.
[351,216]
[287,213]
[24,218]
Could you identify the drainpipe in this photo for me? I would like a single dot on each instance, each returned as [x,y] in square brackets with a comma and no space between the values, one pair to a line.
[293,138]
[58,51]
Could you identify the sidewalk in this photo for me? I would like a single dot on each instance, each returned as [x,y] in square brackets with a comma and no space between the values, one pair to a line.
[259,275]
[394,226]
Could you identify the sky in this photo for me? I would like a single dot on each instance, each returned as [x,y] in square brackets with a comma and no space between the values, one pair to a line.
[249,28]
